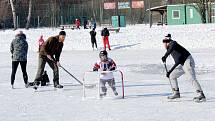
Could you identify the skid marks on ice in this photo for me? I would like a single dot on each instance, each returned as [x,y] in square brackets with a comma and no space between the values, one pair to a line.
[145,68]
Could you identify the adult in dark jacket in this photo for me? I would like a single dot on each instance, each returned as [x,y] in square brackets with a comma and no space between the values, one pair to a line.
[85,23]
[94,23]
[19,51]
[93,38]
[184,64]
[50,52]
[105,34]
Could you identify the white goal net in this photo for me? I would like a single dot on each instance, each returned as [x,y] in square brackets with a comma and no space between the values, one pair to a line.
[92,87]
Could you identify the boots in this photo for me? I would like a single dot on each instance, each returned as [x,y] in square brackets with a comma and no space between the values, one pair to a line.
[27,85]
[200,98]
[58,86]
[36,84]
[176,94]
[115,92]
[103,94]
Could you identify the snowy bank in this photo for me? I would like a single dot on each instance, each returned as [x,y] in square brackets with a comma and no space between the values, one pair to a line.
[132,37]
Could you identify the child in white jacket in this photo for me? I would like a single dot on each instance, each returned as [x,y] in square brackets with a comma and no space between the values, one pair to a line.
[106,65]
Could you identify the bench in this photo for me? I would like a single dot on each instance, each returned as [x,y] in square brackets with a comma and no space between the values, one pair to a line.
[67,26]
[114,29]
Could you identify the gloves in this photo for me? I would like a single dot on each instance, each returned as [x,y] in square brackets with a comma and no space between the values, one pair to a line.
[58,64]
[95,69]
[113,68]
[163,59]
[167,74]
[50,58]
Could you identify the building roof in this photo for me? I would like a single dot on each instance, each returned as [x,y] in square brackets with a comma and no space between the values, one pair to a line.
[158,8]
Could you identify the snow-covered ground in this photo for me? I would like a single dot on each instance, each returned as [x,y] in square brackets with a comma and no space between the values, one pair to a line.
[137,51]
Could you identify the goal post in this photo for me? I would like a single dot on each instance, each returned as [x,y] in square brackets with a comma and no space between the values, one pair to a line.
[91,83]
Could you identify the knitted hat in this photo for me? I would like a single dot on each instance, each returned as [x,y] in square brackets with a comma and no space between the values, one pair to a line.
[62,33]
[168,35]
[18,32]
[167,40]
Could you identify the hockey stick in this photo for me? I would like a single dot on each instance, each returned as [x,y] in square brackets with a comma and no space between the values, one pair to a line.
[72,75]
[55,64]
[168,78]
[87,86]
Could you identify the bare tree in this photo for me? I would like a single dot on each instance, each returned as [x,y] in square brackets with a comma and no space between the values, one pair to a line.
[14,14]
[202,8]
[29,14]
[4,10]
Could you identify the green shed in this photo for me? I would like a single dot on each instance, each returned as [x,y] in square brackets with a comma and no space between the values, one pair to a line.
[176,15]
[192,15]
[182,14]
[118,21]
[213,12]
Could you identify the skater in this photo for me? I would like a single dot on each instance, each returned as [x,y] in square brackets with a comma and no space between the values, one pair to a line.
[85,23]
[77,23]
[106,64]
[50,53]
[93,38]
[19,51]
[184,64]
[89,23]
[94,24]
[105,34]
[40,42]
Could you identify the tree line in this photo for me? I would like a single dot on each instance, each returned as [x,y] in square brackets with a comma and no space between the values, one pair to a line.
[53,9]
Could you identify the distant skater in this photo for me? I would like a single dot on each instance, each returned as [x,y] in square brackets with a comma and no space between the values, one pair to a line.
[93,38]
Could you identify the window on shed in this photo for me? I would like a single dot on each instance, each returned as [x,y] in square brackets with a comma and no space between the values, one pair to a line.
[191,13]
[213,12]
[176,14]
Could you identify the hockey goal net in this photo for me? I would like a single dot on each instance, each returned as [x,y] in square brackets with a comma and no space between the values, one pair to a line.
[92,87]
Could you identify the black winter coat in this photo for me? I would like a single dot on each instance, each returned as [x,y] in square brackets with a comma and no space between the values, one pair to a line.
[105,32]
[93,35]
[178,53]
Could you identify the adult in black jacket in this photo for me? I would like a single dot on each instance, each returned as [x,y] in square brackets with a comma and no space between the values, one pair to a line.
[93,38]
[184,64]
[105,34]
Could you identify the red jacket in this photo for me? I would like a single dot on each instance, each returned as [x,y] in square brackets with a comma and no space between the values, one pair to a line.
[77,22]
[41,41]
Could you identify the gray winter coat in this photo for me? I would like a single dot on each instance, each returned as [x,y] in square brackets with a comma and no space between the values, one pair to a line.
[19,48]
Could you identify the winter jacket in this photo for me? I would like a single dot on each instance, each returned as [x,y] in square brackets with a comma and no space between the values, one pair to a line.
[19,48]
[52,47]
[178,53]
[41,41]
[108,66]
[77,23]
[105,32]
[94,25]
[93,35]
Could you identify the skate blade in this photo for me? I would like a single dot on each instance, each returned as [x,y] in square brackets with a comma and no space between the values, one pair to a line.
[174,100]
[199,101]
